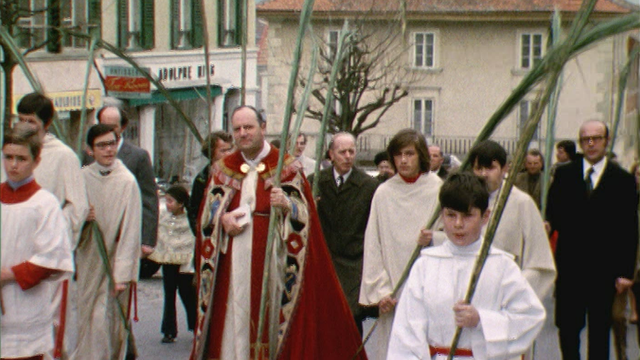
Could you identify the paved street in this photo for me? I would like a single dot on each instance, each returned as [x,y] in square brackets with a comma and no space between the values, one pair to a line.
[147,331]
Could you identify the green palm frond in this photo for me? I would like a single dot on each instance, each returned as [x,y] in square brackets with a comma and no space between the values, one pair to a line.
[305,96]
[85,89]
[305,16]
[622,87]
[328,104]
[14,51]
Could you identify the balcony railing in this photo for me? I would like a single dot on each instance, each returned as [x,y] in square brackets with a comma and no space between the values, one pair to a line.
[369,144]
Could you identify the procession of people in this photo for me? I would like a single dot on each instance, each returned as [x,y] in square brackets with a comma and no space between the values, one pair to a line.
[73,238]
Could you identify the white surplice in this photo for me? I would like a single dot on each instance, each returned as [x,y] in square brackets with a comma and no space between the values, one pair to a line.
[118,208]
[511,316]
[399,211]
[35,231]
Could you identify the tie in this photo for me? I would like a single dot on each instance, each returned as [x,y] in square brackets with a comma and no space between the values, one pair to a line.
[588,181]
[104,172]
[340,181]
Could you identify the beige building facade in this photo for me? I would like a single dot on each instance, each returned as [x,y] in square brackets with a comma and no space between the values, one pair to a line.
[461,64]
[167,38]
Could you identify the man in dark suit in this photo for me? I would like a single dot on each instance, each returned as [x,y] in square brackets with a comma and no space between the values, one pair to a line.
[592,204]
[138,162]
[437,158]
[343,207]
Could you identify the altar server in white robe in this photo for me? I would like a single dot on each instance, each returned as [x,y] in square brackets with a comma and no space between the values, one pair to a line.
[505,315]
[116,207]
[36,251]
[59,173]
[401,208]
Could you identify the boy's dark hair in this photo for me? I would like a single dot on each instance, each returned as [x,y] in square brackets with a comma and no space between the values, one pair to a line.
[179,193]
[408,137]
[210,144]
[99,130]
[487,151]
[24,135]
[463,191]
[569,147]
[124,118]
[380,157]
[39,105]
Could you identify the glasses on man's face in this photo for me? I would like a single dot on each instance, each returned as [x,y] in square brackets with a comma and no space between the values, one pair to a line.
[106,144]
[591,139]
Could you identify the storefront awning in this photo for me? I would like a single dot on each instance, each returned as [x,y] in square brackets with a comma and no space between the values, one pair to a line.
[177,94]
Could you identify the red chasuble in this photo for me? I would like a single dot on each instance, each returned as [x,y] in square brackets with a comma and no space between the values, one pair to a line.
[315,320]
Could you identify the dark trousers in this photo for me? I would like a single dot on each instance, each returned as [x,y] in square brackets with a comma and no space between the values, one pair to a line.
[173,280]
[573,306]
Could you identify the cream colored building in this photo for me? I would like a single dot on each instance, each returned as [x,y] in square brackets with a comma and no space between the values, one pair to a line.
[166,37]
[463,59]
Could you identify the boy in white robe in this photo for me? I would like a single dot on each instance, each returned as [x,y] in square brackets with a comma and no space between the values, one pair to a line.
[59,173]
[504,316]
[36,251]
[116,207]
[400,210]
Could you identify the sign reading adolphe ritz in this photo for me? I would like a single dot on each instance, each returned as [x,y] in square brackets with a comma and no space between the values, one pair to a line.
[183,72]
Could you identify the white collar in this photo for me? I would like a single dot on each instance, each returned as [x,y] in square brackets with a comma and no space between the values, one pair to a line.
[344,177]
[263,154]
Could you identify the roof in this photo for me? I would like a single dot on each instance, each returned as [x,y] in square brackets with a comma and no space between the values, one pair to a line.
[439,6]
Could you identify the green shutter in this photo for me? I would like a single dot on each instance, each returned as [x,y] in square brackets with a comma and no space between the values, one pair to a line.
[53,20]
[239,12]
[94,22]
[123,26]
[221,11]
[147,40]
[197,38]
[175,22]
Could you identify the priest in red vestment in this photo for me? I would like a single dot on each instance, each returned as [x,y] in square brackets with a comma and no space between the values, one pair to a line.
[314,320]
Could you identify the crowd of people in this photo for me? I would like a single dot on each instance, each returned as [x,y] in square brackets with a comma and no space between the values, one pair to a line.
[73,237]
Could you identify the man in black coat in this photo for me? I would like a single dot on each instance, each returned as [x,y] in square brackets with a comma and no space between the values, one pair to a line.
[343,207]
[592,204]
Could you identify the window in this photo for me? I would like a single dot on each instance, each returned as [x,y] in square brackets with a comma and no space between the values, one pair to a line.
[186,32]
[81,16]
[229,33]
[424,50]
[530,50]
[526,107]
[332,43]
[31,26]
[423,116]
[135,24]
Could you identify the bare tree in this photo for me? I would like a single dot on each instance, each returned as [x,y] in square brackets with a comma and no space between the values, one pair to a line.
[373,77]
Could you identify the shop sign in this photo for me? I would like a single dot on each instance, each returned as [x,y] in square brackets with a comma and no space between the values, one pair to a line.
[127,82]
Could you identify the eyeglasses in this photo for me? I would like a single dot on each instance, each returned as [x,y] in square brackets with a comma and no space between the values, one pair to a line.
[591,139]
[105,144]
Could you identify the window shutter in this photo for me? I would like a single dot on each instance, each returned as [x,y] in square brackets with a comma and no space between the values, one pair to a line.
[175,23]
[197,38]
[239,30]
[123,25]
[53,20]
[221,12]
[147,40]
[95,13]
